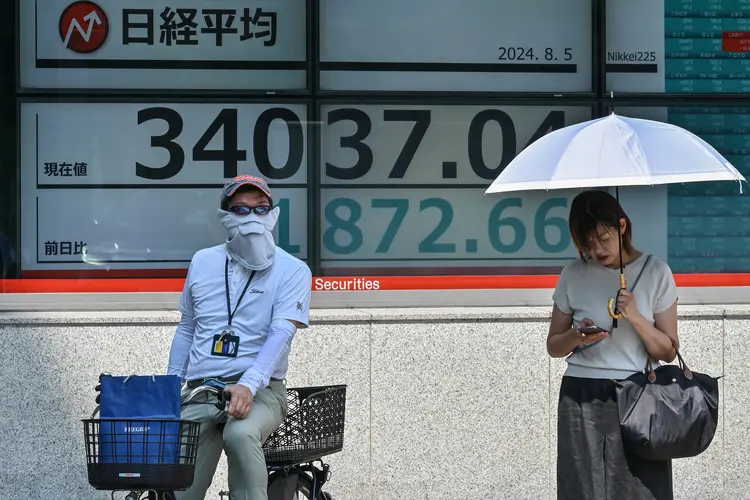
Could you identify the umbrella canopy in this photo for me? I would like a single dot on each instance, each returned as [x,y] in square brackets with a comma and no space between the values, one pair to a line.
[614,151]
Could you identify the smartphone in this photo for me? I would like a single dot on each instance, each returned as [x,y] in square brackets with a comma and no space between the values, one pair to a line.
[590,330]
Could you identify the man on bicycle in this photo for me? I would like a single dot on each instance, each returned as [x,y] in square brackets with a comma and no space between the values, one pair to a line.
[241,306]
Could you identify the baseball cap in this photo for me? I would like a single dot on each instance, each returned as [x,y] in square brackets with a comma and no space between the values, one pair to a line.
[232,185]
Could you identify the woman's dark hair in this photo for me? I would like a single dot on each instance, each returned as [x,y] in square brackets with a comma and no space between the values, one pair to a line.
[592,210]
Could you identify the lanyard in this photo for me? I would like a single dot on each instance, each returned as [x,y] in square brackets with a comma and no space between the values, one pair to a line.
[230,313]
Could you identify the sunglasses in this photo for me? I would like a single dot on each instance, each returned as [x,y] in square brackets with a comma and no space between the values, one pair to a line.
[243,210]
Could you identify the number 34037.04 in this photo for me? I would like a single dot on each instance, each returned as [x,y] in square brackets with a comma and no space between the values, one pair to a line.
[345,230]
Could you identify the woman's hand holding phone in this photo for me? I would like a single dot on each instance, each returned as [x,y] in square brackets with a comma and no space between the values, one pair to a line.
[588,332]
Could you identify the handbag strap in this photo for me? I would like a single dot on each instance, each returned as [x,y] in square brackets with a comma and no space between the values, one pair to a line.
[635,282]
[637,278]
[680,361]
[153,378]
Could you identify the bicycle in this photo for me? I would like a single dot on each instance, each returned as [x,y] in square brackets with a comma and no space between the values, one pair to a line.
[313,429]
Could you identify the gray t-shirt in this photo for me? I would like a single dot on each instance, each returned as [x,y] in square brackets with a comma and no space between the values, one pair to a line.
[584,289]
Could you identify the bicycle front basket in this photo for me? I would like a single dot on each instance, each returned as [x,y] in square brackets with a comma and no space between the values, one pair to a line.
[313,428]
[144,454]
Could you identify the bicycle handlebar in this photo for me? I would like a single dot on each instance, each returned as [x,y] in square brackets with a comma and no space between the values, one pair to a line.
[220,394]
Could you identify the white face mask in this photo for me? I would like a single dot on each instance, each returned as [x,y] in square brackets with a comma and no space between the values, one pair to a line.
[250,239]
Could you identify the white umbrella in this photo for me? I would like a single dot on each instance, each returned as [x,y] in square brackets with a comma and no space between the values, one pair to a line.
[614,151]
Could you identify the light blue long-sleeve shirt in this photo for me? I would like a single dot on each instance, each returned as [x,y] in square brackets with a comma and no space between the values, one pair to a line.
[276,297]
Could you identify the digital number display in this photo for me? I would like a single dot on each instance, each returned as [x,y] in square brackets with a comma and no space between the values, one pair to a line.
[137,185]
[401,184]
[678,46]
[403,188]
[482,45]
[708,222]
[398,225]
[707,44]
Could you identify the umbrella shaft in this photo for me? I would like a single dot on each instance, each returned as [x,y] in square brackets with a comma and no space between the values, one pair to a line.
[619,237]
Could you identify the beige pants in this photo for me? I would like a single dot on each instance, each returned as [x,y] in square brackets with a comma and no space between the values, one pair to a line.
[241,441]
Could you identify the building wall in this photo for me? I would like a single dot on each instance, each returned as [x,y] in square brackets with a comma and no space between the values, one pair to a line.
[441,404]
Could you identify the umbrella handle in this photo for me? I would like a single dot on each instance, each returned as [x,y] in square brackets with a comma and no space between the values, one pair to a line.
[611,304]
[611,307]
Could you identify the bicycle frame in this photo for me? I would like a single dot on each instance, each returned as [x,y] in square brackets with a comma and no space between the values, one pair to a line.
[319,476]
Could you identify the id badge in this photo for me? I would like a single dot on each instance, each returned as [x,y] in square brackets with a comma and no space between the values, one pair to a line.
[225,345]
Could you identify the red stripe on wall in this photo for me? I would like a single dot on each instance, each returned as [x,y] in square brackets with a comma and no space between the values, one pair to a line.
[347,283]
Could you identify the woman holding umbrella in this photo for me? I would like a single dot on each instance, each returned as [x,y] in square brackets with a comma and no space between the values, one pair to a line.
[591,461]
[610,339]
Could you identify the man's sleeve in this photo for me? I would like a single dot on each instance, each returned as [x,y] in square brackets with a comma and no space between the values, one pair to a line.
[278,344]
[292,300]
[186,298]
[179,354]
[291,305]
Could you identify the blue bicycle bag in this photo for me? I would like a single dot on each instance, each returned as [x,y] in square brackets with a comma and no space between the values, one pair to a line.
[143,414]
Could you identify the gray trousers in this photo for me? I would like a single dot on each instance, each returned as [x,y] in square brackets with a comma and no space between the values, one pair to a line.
[592,463]
[241,440]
